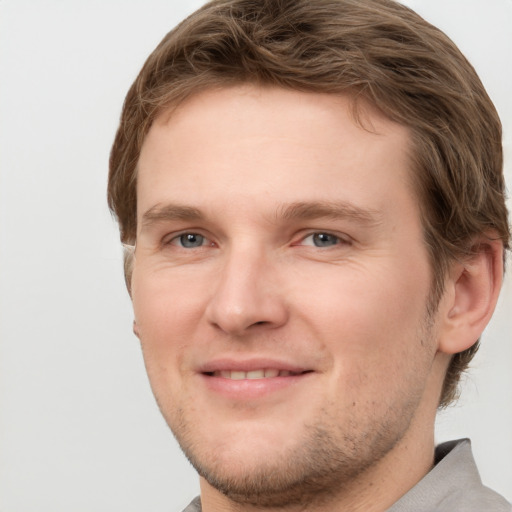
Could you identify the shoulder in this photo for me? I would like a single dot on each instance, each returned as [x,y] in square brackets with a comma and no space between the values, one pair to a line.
[475,500]
[453,485]
[467,492]
[195,505]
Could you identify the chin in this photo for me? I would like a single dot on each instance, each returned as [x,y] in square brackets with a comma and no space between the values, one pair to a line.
[267,471]
[270,477]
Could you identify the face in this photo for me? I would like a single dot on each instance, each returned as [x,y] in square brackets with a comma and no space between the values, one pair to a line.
[280,289]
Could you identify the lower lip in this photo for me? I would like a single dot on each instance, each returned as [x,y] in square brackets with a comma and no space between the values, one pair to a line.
[247,389]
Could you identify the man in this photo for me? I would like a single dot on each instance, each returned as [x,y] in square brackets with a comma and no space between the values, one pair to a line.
[311,198]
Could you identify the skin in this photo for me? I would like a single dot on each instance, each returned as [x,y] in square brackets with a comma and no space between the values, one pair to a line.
[274,232]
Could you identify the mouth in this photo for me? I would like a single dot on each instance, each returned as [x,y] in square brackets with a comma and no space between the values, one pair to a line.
[264,373]
[247,380]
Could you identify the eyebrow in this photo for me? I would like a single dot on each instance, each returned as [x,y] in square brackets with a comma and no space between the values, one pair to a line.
[330,210]
[161,213]
[302,210]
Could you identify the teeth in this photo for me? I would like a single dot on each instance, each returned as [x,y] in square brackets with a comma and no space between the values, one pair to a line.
[256,374]
[267,373]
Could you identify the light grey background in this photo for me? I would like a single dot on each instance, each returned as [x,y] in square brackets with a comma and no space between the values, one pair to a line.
[79,430]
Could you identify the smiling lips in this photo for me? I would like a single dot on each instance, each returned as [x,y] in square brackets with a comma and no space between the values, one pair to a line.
[251,379]
[266,373]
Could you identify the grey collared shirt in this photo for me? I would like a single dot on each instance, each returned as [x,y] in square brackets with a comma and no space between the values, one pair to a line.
[453,485]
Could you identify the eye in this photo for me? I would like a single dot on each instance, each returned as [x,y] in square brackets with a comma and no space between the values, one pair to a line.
[322,240]
[190,240]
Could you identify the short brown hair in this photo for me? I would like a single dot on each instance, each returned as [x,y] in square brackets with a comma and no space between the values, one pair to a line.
[379,51]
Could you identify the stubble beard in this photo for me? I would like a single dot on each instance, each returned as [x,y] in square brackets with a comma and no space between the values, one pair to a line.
[323,464]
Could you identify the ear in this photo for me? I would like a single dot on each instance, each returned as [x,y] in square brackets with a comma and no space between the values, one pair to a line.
[135,329]
[471,293]
[128,261]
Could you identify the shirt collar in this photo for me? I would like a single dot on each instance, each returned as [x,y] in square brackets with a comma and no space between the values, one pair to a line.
[455,469]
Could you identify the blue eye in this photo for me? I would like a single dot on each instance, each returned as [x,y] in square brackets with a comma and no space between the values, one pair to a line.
[190,240]
[321,240]
[325,240]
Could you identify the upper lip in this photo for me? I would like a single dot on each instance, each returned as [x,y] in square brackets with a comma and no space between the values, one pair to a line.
[247,365]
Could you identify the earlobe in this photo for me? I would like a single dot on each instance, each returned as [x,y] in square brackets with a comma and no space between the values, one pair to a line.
[135,329]
[470,296]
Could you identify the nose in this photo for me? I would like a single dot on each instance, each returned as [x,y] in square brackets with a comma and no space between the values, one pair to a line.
[247,295]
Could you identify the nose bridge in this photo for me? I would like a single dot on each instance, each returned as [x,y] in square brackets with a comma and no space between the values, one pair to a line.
[246,293]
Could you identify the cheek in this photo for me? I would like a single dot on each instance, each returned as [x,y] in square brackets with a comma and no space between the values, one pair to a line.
[164,341]
[364,299]
[167,315]
[372,323]
[164,302]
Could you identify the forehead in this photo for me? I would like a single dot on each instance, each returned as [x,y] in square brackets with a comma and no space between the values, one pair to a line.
[249,143]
